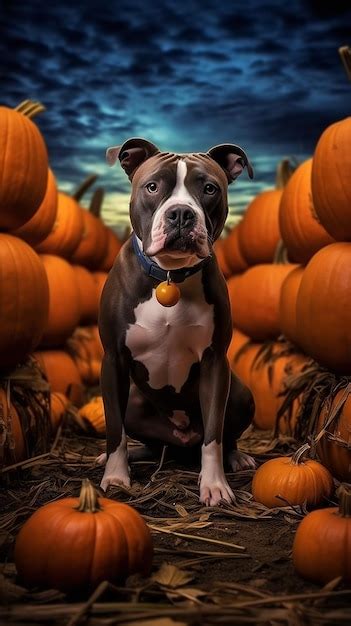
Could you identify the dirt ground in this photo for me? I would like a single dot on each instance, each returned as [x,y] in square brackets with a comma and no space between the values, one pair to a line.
[256,571]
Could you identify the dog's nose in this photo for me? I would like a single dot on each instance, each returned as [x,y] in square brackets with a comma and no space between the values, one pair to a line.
[180,216]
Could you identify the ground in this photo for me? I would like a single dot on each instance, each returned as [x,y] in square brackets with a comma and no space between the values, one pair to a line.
[198,575]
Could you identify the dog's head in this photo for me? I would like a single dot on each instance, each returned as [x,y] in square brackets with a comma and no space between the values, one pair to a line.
[179,202]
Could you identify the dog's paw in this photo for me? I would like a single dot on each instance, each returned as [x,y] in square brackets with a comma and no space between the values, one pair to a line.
[115,480]
[101,459]
[241,461]
[212,492]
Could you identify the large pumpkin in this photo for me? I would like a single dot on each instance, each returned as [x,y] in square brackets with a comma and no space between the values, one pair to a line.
[335,450]
[76,543]
[113,247]
[287,304]
[64,307]
[24,165]
[92,246]
[254,300]
[322,545]
[24,298]
[67,230]
[300,228]
[40,225]
[62,373]
[237,342]
[12,444]
[331,175]
[233,256]
[218,249]
[100,280]
[88,296]
[323,312]
[296,480]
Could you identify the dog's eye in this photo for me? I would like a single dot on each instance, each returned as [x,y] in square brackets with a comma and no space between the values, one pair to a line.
[210,189]
[152,187]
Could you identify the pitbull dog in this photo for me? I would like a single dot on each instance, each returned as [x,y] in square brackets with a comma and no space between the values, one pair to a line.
[165,375]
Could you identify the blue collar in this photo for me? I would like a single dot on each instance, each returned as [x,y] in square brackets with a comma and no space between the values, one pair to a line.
[155,271]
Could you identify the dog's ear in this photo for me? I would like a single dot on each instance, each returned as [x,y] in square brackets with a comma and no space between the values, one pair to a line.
[232,160]
[131,154]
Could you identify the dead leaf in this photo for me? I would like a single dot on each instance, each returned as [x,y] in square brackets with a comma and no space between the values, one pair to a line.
[181,510]
[171,576]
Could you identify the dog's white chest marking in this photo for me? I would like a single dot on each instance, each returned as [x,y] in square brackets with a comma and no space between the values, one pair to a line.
[168,341]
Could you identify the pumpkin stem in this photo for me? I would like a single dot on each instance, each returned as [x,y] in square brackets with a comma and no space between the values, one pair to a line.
[96,202]
[84,186]
[297,457]
[345,54]
[281,253]
[29,108]
[344,493]
[285,169]
[88,498]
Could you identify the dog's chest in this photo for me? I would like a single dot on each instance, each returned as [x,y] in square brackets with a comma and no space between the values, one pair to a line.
[169,340]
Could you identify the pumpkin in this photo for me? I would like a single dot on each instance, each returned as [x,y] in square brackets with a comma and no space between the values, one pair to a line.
[323,308]
[113,247]
[254,300]
[24,165]
[266,382]
[287,304]
[100,279]
[331,173]
[88,297]
[233,257]
[93,415]
[322,544]
[67,230]
[40,225]
[12,444]
[335,452]
[59,406]
[259,232]
[85,348]
[294,479]
[237,341]
[62,373]
[244,360]
[300,229]
[92,246]
[76,543]
[24,297]
[64,305]
[222,263]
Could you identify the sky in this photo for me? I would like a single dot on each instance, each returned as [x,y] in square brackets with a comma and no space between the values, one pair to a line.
[187,75]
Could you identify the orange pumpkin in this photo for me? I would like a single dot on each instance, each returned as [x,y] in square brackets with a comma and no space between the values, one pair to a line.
[62,373]
[85,348]
[323,308]
[331,175]
[40,225]
[12,444]
[300,229]
[322,545]
[254,300]
[218,249]
[333,454]
[92,246]
[287,305]
[67,230]
[238,340]
[113,247]
[296,480]
[244,360]
[24,166]
[76,543]
[100,279]
[24,297]
[88,297]
[93,415]
[233,257]
[59,406]
[64,306]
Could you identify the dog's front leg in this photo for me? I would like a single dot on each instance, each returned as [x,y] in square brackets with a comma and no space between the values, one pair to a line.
[214,391]
[115,392]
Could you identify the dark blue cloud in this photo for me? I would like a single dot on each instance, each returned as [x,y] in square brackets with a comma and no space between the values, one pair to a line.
[264,74]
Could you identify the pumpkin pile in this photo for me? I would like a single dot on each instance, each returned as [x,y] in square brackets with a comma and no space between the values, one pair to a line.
[54,259]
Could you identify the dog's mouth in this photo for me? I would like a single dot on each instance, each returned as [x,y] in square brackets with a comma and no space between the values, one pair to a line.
[180,245]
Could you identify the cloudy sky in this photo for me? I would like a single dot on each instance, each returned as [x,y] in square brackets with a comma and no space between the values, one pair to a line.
[186,75]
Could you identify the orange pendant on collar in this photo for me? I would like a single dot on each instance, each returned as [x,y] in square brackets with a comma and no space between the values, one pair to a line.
[167,293]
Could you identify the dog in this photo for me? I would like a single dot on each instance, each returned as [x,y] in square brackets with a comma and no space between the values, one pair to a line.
[165,376]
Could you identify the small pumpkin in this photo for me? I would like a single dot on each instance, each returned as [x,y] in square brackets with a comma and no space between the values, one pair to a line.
[287,304]
[59,405]
[24,164]
[218,249]
[93,415]
[92,247]
[295,479]
[62,373]
[24,298]
[113,246]
[322,545]
[233,257]
[238,340]
[335,451]
[85,348]
[88,296]
[75,543]
[67,230]
[100,280]
[39,226]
